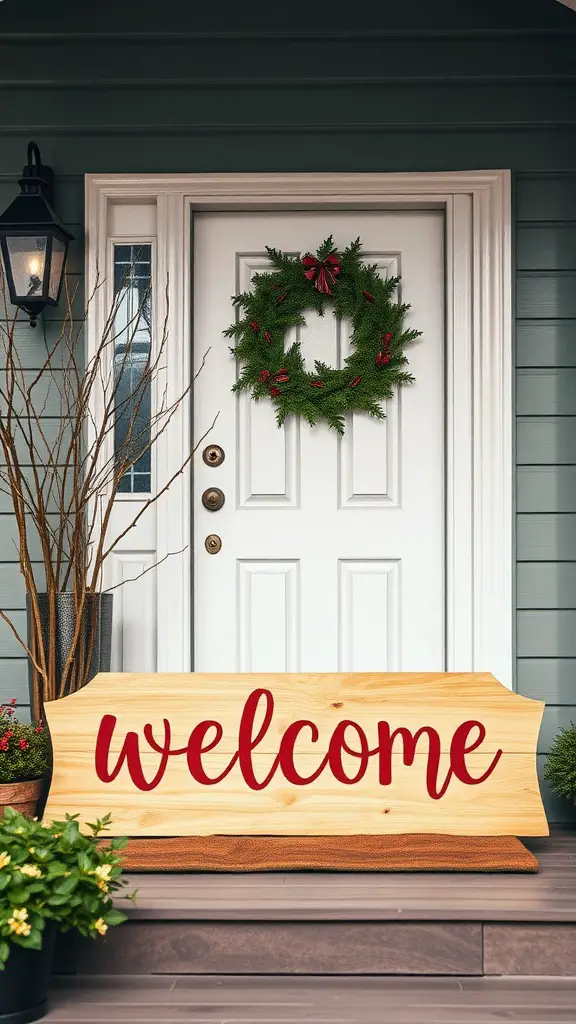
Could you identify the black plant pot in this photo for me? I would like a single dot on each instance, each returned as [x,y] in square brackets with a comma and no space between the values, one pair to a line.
[95,638]
[24,981]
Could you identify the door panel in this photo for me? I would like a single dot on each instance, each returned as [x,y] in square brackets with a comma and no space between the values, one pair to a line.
[332,552]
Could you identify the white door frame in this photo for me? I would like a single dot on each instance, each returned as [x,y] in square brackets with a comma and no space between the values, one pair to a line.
[479,412]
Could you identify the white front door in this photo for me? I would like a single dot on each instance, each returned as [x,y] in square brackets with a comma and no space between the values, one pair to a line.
[332,554]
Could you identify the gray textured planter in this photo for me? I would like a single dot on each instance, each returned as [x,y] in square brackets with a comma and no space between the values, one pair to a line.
[97,623]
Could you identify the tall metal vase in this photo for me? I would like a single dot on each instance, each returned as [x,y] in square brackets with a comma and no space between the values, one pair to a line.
[95,642]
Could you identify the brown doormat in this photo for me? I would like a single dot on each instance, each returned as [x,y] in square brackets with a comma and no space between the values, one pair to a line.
[330,853]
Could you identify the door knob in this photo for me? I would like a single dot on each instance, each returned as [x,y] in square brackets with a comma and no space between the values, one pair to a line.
[213,499]
[213,543]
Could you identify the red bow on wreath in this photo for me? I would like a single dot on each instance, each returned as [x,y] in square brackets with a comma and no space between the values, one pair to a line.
[322,272]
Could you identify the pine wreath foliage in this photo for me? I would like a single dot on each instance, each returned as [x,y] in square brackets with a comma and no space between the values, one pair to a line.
[560,769]
[278,302]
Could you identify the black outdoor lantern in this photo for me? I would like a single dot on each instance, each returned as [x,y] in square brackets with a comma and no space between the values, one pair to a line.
[34,242]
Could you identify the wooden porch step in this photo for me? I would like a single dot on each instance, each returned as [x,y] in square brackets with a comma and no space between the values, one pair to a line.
[306,923]
[240,1000]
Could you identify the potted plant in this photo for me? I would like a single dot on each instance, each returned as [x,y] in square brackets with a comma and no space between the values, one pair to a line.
[24,760]
[560,769]
[63,484]
[52,878]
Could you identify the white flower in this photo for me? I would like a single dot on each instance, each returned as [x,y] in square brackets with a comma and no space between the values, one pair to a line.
[31,870]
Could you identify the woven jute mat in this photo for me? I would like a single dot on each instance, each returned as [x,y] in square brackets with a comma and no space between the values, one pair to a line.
[330,853]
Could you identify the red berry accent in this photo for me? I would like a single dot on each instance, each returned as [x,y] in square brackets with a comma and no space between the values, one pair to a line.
[274,392]
[281,378]
[368,296]
[39,728]
[254,326]
[354,382]
[267,336]
[281,297]
[317,383]
[387,338]
[13,700]
[264,375]
[23,744]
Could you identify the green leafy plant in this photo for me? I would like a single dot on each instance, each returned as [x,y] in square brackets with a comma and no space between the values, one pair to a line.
[24,749]
[54,873]
[560,769]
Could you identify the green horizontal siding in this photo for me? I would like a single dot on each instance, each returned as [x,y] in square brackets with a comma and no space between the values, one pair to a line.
[546,246]
[545,538]
[546,585]
[542,440]
[546,343]
[14,680]
[546,293]
[546,454]
[546,392]
[9,645]
[546,489]
[546,197]
[552,680]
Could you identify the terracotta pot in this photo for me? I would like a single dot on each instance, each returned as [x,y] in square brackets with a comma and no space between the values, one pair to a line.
[22,796]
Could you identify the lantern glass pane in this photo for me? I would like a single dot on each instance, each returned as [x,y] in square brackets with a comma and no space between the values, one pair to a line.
[56,268]
[27,255]
[132,348]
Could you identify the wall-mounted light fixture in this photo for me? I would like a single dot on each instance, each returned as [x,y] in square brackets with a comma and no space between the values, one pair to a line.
[34,242]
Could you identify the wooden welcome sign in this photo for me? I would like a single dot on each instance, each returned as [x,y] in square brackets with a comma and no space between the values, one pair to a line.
[299,755]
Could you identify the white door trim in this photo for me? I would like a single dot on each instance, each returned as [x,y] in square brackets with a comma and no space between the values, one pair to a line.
[479,425]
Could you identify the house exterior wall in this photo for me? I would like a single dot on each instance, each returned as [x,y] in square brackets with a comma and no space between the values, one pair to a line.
[139,87]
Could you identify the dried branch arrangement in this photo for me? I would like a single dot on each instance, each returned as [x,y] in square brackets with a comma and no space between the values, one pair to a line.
[63,485]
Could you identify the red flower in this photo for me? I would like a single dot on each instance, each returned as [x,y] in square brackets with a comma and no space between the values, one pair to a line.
[263,375]
[274,392]
[368,296]
[13,700]
[8,735]
[254,326]
[23,744]
[354,382]
[317,383]
[39,728]
[267,336]
[3,744]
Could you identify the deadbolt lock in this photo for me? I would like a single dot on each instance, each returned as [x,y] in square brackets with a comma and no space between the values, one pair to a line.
[213,499]
[213,543]
[213,455]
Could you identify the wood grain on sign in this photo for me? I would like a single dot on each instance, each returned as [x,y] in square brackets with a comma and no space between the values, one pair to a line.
[351,754]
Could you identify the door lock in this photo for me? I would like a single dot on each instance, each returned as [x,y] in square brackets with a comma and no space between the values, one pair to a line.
[213,455]
[213,499]
[213,543]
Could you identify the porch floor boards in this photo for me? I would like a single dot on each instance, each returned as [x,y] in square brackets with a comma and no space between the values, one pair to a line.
[349,896]
[306,1000]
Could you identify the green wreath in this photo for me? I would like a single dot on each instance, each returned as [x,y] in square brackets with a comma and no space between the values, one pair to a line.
[278,301]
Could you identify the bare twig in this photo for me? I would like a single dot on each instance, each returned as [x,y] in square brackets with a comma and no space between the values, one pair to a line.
[63,474]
